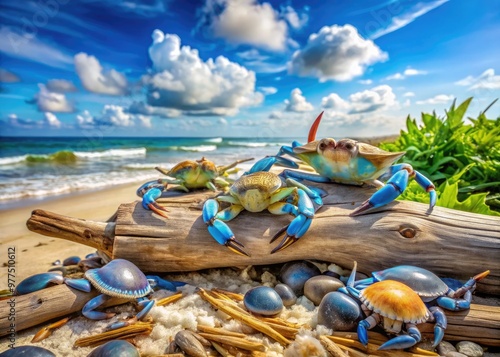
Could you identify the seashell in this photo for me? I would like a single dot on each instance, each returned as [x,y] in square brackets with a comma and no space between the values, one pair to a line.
[190,343]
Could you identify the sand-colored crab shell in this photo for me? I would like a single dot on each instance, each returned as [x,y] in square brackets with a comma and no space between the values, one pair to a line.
[396,301]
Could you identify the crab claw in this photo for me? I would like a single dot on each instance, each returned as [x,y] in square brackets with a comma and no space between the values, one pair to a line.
[403,341]
[393,188]
[301,223]
[219,230]
[141,191]
[149,202]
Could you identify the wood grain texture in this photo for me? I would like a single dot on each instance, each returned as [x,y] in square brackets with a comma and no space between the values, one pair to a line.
[42,306]
[45,305]
[448,242]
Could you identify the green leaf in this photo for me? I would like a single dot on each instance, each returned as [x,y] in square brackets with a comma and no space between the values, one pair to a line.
[474,203]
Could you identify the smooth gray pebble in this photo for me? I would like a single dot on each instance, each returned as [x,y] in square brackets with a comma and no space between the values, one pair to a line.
[470,349]
[286,293]
[318,286]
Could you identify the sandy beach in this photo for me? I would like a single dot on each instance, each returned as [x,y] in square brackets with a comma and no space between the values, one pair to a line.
[34,252]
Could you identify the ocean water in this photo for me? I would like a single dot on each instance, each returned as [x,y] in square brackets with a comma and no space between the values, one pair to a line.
[33,169]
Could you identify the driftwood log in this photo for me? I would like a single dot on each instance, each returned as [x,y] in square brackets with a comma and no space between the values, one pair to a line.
[29,310]
[480,324]
[448,242]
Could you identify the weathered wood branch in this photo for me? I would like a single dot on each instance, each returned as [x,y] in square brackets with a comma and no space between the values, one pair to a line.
[32,309]
[97,235]
[448,242]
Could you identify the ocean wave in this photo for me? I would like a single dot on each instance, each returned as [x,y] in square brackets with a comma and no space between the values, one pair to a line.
[213,140]
[66,157]
[52,185]
[196,148]
[12,160]
[111,153]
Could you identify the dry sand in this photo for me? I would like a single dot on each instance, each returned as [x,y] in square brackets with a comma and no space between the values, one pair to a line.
[34,252]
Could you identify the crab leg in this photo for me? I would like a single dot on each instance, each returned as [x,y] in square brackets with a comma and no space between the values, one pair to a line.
[91,305]
[303,212]
[218,229]
[266,163]
[298,175]
[40,281]
[396,186]
[461,298]
[440,325]
[223,169]
[146,304]
[156,282]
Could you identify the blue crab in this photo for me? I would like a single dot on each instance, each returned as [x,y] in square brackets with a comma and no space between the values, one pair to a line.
[187,175]
[427,285]
[351,162]
[118,278]
[392,304]
[256,191]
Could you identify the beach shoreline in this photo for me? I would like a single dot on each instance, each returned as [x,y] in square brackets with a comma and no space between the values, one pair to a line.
[34,253]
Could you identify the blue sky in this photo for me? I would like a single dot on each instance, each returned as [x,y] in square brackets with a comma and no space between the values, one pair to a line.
[241,67]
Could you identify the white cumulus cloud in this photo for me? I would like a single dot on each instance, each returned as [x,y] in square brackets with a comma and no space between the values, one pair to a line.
[85,120]
[367,101]
[246,22]
[372,99]
[48,101]
[297,102]
[295,20]
[268,90]
[486,80]
[115,115]
[335,53]
[407,73]
[95,79]
[334,101]
[183,81]
[51,120]
[438,99]
[112,115]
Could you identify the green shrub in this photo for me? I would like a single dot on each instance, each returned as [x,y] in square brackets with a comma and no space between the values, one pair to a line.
[461,158]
